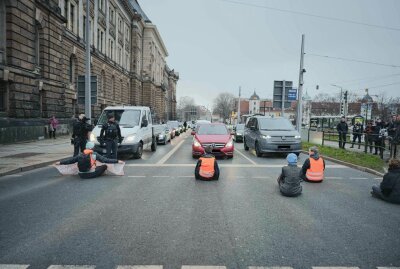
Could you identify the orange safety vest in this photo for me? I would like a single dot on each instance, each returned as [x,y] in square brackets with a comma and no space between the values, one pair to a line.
[207,167]
[316,170]
[90,153]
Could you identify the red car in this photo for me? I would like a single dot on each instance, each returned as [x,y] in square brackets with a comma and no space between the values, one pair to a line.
[215,135]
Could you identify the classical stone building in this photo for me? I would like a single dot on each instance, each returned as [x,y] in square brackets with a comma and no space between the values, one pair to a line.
[42,54]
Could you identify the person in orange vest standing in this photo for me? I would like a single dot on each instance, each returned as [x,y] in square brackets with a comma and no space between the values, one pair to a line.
[87,162]
[207,166]
[314,167]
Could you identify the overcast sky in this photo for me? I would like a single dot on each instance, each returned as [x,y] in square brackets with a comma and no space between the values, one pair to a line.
[217,46]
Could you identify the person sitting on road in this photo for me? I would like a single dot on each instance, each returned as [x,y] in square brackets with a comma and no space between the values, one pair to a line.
[289,180]
[207,166]
[87,162]
[313,168]
[389,189]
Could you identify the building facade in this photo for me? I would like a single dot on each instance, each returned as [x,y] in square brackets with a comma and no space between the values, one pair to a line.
[42,55]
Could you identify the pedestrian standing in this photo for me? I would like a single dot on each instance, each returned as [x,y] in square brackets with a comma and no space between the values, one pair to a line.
[391,128]
[80,134]
[53,125]
[342,129]
[396,138]
[185,125]
[289,180]
[378,136]
[369,131]
[110,135]
[357,133]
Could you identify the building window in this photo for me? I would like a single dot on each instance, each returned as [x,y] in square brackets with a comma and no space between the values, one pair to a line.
[101,41]
[71,71]
[112,15]
[113,87]
[101,5]
[37,45]
[111,50]
[119,56]
[72,17]
[3,96]
[102,82]
[84,28]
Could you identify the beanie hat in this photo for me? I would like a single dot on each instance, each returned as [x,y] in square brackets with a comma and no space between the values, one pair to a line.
[89,145]
[292,158]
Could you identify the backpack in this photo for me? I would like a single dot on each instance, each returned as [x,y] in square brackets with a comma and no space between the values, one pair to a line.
[111,131]
[84,163]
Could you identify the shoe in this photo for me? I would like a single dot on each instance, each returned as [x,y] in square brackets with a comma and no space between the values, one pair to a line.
[351,147]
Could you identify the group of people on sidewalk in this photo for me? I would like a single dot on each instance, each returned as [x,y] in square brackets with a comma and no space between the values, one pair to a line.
[375,134]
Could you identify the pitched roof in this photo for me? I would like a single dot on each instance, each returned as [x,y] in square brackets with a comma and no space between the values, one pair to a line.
[139,10]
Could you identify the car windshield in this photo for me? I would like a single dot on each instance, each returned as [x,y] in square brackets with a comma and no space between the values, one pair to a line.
[208,129]
[240,127]
[128,118]
[173,124]
[270,124]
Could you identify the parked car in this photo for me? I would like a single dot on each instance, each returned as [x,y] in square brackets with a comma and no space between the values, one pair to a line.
[165,135]
[215,135]
[136,126]
[238,132]
[175,127]
[266,134]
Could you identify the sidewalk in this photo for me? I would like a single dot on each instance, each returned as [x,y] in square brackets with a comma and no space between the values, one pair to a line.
[335,144]
[26,156]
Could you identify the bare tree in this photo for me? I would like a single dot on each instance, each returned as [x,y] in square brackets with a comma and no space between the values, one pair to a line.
[224,104]
[185,105]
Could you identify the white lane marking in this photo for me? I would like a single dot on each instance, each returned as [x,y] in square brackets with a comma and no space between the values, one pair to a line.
[71,267]
[161,176]
[247,158]
[333,178]
[388,267]
[14,266]
[270,267]
[358,178]
[202,267]
[261,177]
[220,165]
[15,175]
[136,176]
[186,176]
[379,178]
[169,154]
[140,267]
[334,267]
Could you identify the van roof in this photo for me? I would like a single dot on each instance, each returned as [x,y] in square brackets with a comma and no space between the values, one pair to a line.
[125,107]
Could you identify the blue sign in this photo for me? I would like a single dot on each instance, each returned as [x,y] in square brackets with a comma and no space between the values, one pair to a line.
[292,95]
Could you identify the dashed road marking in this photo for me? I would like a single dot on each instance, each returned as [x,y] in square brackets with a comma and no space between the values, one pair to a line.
[220,165]
[169,154]
[202,267]
[388,267]
[358,178]
[137,176]
[333,177]
[140,267]
[247,158]
[71,267]
[261,177]
[379,178]
[185,176]
[270,267]
[161,176]
[334,267]
[14,266]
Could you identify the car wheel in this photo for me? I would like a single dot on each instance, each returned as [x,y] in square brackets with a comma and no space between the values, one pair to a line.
[245,145]
[154,145]
[258,152]
[297,153]
[139,152]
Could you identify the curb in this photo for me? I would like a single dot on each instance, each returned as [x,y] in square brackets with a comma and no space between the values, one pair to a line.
[31,167]
[354,166]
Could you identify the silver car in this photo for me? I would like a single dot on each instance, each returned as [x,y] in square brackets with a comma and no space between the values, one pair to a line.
[271,135]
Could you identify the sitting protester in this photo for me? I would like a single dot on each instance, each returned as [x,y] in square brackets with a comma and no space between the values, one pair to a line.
[389,189]
[313,168]
[87,162]
[289,180]
[207,166]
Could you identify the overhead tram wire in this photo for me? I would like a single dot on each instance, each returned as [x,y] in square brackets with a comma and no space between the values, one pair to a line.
[359,80]
[352,60]
[313,15]
[382,86]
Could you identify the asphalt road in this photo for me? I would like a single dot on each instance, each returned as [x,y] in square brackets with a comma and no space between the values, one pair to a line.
[158,214]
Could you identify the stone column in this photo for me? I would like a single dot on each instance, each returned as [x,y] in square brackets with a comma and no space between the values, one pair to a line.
[80,20]
[96,18]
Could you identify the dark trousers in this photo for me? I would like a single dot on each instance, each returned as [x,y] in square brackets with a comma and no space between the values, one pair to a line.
[96,173]
[369,140]
[111,148]
[52,134]
[342,140]
[79,145]
[393,150]
[379,146]
[356,137]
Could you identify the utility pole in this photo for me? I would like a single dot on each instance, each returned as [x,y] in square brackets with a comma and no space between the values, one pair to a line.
[88,99]
[238,114]
[300,89]
[283,98]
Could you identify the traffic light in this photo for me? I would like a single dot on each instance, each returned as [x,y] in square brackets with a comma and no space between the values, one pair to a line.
[345,96]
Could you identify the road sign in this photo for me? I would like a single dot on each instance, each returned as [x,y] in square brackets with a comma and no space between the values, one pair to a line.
[281,89]
[81,90]
[292,95]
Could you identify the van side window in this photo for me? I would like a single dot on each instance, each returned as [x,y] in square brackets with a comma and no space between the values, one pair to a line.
[144,115]
[255,124]
[150,120]
[249,123]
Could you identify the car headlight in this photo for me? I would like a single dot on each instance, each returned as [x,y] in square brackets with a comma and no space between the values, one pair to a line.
[196,143]
[238,133]
[266,137]
[129,138]
[297,137]
[92,138]
[229,144]
[161,136]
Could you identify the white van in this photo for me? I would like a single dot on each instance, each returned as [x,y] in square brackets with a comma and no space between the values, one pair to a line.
[136,129]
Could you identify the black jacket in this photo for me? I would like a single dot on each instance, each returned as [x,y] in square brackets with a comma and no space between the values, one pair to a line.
[104,129]
[81,129]
[197,169]
[98,158]
[289,180]
[306,165]
[390,186]
[342,127]
[358,129]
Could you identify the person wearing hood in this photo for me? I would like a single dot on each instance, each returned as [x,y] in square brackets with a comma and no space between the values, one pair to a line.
[289,180]
[389,189]
[314,167]
[87,162]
